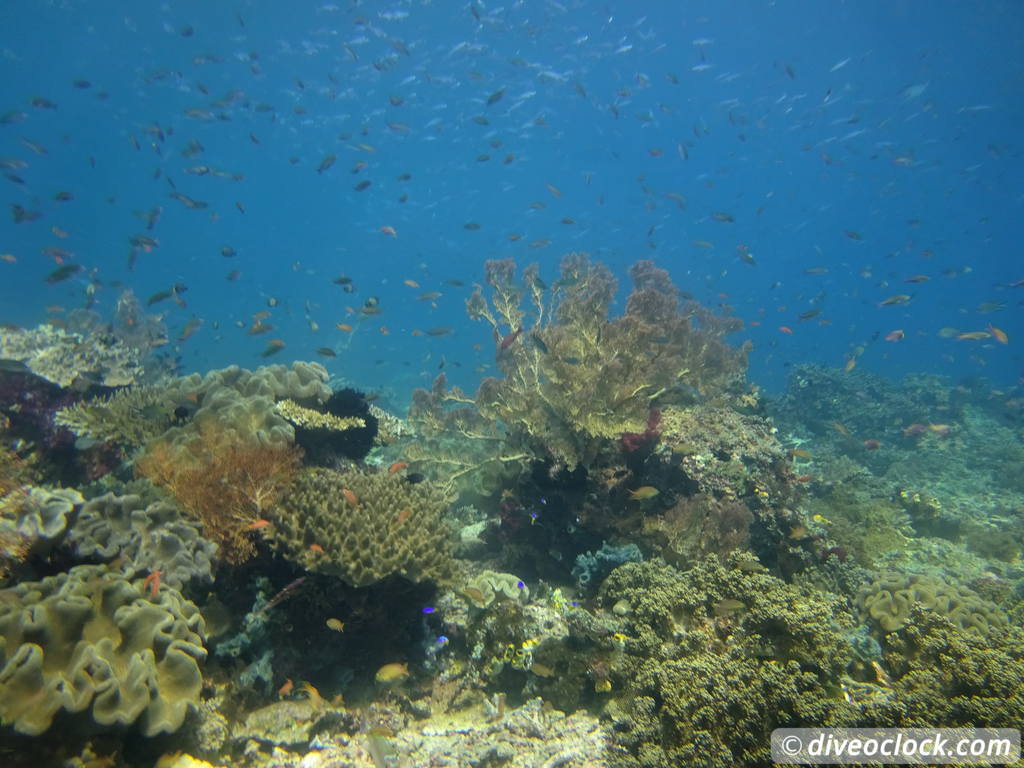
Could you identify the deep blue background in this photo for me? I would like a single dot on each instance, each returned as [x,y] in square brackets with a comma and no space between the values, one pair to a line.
[914,143]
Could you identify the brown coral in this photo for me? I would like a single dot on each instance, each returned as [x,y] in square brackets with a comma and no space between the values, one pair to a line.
[364,527]
[576,379]
[226,483]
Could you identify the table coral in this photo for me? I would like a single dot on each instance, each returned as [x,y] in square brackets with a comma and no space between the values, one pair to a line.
[90,639]
[62,357]
[363,527]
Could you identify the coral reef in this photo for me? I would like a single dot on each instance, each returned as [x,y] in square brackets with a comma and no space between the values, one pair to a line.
[717,657]
[488,586]
[144,538]
[39,513]
[62,357]
[90,639]
[227,483]
[591,567]
[313,419]
[890,599]
[576,379]
[129,416]
[363,527]
[241,401]
[457,445]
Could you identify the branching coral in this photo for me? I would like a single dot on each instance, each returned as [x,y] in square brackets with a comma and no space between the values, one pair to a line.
[575,378]
[455,443]
[225,482]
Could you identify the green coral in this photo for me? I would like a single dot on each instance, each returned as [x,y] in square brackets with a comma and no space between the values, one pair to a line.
[131,416]
[146,538]
[717,657]
[889,600]
[575,379]
[39,513]
[243,402]
[90,639]
[943,673]
[364,527]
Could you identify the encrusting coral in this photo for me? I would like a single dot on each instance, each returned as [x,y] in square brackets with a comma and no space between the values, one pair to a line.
[363,527]
[90,639]
[227,483]
[574,378]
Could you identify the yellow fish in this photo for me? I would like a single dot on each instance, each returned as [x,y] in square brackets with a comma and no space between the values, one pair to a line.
[336,624]
[643,493]
[392,674]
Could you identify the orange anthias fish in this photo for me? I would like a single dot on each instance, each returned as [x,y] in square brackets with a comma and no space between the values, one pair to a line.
[999,334]
[287,688]
[153,582]
[350,497]
[398,466]
[258,525]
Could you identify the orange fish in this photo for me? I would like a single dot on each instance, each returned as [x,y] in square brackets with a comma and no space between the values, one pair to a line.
[344,327]
[896,335]
[350,497]
[285,689]
[258,525]
[404,515]
[974,336]
[316,548]
[786,330]
[999,335]
[153,582]
[398,466]
[389,231]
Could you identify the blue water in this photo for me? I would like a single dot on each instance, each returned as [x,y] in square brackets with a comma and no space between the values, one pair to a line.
[896,122]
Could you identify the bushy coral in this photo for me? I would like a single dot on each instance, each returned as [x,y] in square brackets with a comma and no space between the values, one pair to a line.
[363,527]
[575,379]
[226,482]
[129,416]
[144,538]
[90,639]
[717,657]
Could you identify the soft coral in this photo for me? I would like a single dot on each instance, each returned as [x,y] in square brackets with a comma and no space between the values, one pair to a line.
[634,441]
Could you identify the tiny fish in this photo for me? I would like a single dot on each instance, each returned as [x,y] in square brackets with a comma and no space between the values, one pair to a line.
[899,298]
[326,163]
[61,274]
[643,493]
[896,335]
[853,234]
[722,216]
[429,296]
[336,624]
[350,497]
[472,226]
[440,330]
[362,185]
[495,97]
[392,674]
[326,352]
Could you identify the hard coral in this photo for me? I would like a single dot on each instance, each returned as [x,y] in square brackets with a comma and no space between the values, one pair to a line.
[364,527]
[576,379]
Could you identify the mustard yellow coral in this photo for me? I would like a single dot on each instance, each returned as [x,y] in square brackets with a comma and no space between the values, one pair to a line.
[313,419]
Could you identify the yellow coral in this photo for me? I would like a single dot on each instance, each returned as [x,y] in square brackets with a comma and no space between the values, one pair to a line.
[312,419]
